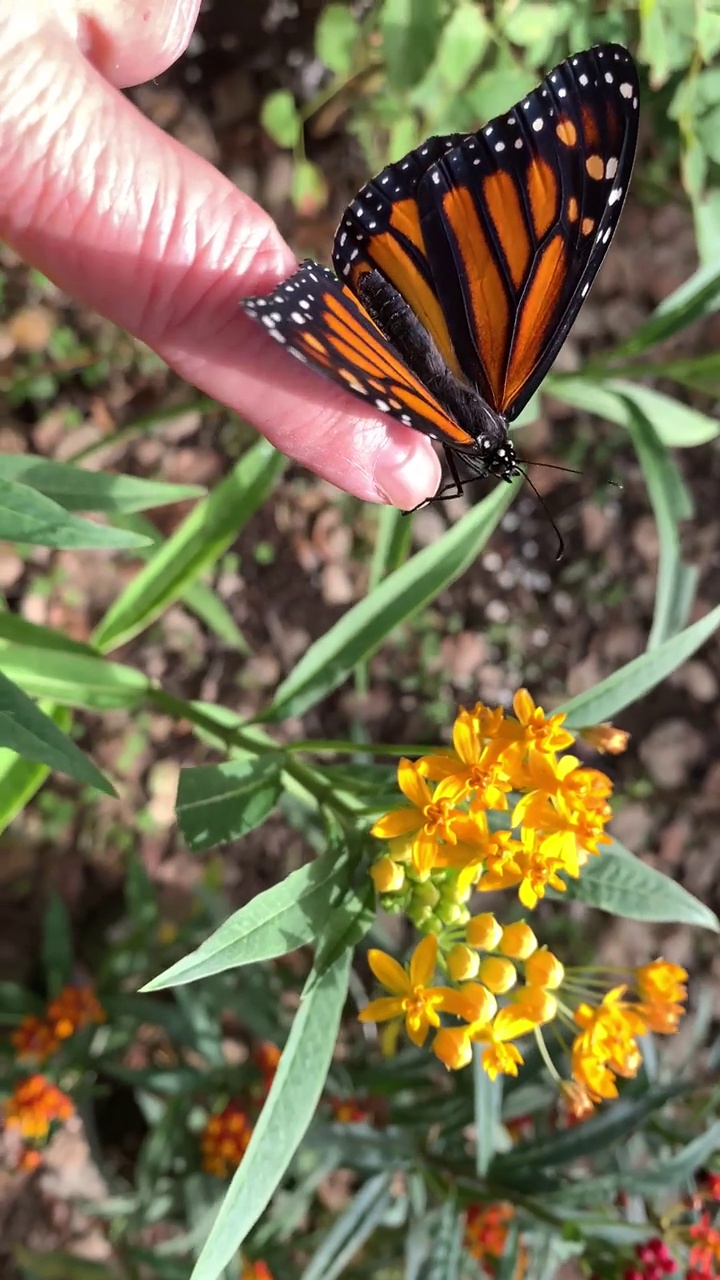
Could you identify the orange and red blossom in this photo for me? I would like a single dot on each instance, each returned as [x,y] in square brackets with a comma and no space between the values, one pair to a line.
[258,1270]
[662,990]
[34,1106]
[74,1007]
[225,1140]
[486,1230]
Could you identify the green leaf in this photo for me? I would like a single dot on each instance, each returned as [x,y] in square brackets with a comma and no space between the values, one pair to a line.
[674,1171]
[73,679]
[28,516]
[463,43]
[329,661]
[220,802]
[697,297]
[638,677]
[676,424]
[410,32]
[34,736]
[393,541]
[309,189]
[443,1261]
[280,117]
[21,779]
[601,1132]
[57,946]
[348,1233]
[283,1121]
[199,542]
[536,27]
[21,632]
[671,503]
[488,1098]
[621,884]
[336,37]
[291,914]
[79,490]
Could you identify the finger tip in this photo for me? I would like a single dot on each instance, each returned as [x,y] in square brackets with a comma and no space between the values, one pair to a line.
[407,470]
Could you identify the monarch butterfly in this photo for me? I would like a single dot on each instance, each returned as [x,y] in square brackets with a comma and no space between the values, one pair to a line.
[461,268]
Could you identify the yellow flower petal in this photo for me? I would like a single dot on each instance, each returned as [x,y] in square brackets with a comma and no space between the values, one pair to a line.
[381,1010]
[422,964]
[412,785]
[400,822]
[388,972]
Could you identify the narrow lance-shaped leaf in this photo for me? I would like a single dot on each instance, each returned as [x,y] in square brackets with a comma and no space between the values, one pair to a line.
[290,1105]
[199,542]
[639,676]
[28,516]
[76,489]
[671,502]
[621,884]
[34,736]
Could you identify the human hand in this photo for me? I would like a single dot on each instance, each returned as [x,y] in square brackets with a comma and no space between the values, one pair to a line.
[123,217]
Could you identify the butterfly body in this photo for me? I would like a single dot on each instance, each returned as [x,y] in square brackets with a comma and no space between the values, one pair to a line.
[460,268]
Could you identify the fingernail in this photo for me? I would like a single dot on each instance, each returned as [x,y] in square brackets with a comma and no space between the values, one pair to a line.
[405,473]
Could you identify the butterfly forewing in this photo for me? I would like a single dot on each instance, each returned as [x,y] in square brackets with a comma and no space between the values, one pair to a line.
[381,229]
[517,218]
[323,324]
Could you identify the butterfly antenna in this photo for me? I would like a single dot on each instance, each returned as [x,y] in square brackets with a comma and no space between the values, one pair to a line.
[552,466]
[543,504]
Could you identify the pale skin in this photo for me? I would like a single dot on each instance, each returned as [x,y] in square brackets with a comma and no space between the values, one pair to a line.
[131,223]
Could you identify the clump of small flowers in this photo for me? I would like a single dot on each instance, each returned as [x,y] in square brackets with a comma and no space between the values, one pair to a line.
[74,1007]
[653,1260]
[256,1271]
[486,1231]
[34,1109]
[508,809]
[225,1139]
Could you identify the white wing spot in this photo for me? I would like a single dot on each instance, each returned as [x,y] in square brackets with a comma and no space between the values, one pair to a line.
[435,176]
[518,144]
[537,124]
[611,167]
[626,90]
[304,304]
[499,146]
[609,77]
[607,235]
[583,80]
[615,195]
[382,405]
[562,93]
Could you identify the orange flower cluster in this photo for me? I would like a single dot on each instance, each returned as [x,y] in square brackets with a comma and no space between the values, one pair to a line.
[607,1045]
[505,809]
[486,1231]
[256,1271]
[33,1107]
[225,1140]
[39,1038]
[704,1256]
[556,824]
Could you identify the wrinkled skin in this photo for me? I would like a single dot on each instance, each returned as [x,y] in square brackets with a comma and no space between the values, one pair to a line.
[144,231]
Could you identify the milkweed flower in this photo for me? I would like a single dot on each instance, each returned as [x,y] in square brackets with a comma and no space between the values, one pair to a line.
[486,1233]
[73,1008]
[258,1270]
[507,807]
[225,1140]
[550,812]
[34,1039]
[412,995]
[35,1106]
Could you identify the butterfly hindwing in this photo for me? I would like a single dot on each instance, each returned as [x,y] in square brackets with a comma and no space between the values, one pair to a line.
[517,219]
[324,325]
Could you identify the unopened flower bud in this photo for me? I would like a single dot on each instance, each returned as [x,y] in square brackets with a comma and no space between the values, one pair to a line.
[498,974]
[483,932]
[518,941]
[462,962]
